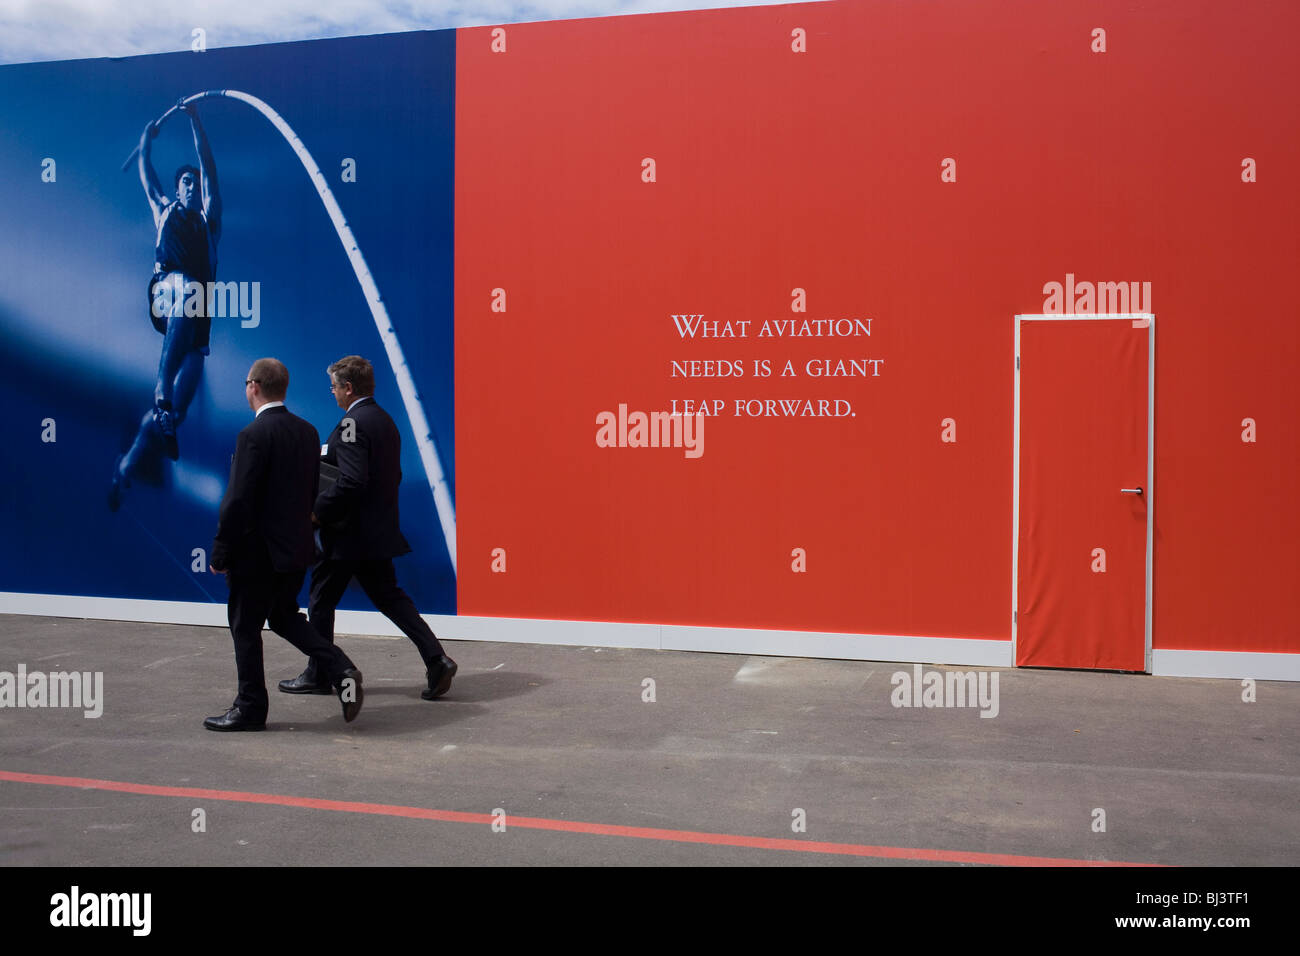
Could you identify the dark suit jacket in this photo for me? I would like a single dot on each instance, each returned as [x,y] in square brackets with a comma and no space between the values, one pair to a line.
[358,516]
[266,513]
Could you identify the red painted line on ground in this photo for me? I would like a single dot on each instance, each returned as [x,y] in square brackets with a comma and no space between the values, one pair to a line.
[566,826]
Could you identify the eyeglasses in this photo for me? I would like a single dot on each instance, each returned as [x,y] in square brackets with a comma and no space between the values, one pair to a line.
[251,381]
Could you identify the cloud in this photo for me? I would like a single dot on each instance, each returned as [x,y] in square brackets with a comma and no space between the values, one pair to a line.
[32,30]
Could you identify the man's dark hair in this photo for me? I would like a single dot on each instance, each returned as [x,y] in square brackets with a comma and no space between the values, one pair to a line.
[176,180]
[273,378]
[357,371]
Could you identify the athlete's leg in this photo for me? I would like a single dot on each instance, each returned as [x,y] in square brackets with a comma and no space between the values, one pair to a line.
[145,445]
[176,345]
[187,383]
[157,431]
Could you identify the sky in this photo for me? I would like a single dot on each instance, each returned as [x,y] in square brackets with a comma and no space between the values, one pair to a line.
[35,30]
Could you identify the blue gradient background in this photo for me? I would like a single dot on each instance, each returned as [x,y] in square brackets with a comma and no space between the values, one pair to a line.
[78,346]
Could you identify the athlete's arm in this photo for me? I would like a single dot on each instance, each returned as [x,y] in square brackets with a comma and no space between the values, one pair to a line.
[148,178]
[208,173]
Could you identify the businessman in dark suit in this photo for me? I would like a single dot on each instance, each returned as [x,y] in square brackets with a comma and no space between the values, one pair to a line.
[264,546]
[360,534]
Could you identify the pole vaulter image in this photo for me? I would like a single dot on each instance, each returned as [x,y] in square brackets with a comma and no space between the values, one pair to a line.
[188,230]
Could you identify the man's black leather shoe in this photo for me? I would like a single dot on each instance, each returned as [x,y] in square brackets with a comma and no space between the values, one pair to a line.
[440,674]
[234,719]
[302,684]
[350,694]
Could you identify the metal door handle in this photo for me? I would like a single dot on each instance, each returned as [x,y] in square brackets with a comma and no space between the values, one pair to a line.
[1131,491]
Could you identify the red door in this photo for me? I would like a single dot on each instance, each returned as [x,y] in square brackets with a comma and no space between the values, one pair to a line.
[1083,534]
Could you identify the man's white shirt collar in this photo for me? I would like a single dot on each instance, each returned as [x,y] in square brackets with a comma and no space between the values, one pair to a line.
[357,402]
[269,405]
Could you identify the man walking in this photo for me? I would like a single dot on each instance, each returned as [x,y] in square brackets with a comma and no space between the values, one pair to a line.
[264,546]
[360,534]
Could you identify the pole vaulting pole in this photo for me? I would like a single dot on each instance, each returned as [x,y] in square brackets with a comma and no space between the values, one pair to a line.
[405,384]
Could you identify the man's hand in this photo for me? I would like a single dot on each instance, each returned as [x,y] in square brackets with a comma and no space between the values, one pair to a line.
[186,108]
[150,131]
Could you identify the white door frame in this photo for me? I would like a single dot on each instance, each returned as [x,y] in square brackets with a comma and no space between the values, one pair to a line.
[1148,490]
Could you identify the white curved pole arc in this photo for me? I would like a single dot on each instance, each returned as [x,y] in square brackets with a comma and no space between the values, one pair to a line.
[405,384]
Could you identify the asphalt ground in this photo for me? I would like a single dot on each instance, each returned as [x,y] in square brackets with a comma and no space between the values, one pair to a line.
[549,755]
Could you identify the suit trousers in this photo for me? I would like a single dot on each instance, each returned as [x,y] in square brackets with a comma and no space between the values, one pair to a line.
[330,578]
[271,597]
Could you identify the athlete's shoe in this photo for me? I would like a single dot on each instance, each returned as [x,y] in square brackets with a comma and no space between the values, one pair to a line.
[166,422]
[117,490]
